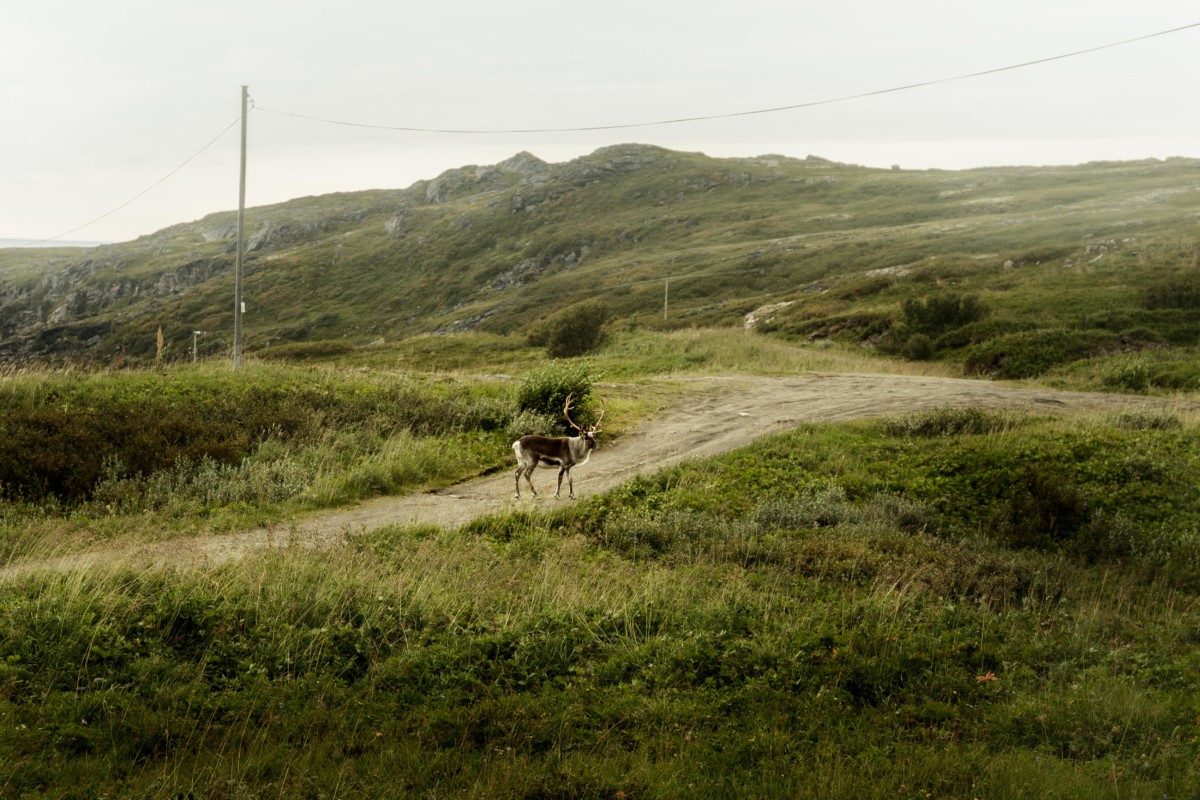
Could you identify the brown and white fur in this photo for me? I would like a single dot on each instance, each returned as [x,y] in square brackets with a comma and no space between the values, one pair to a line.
[563,452]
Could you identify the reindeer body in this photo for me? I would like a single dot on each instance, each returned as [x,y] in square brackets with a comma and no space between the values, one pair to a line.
[563,452]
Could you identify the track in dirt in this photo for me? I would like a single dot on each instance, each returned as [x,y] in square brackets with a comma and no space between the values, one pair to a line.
[714,415]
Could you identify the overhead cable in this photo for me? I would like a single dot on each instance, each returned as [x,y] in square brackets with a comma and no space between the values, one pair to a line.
[158,182]
[792,107]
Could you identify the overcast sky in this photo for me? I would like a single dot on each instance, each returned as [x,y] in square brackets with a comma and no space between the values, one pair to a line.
[102,100]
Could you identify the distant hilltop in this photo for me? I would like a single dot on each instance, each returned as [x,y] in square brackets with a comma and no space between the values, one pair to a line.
[46,243]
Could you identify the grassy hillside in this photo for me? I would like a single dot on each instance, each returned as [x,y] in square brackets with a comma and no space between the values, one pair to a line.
[1083,261]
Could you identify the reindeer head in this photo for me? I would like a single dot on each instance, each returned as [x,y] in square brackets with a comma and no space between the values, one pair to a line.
[588,434]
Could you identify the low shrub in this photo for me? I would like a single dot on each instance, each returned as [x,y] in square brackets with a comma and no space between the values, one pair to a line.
[525,422]
[918,347]
[939,313]
[544,391]
[1040,508]
[1180,374]
[927,322]
[947,422]
[861,288]
[204,483]
[573,331]
[57,433]
[978,332]
[858,326]
[1033,353]
[1131,375]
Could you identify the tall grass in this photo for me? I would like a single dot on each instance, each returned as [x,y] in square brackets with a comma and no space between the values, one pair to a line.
[88,458]
[848,631]
[396,670]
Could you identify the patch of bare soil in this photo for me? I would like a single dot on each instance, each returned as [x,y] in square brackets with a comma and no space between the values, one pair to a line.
[714,416]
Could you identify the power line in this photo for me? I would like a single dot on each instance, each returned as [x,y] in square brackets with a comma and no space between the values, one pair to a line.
[152,186]
[729,115]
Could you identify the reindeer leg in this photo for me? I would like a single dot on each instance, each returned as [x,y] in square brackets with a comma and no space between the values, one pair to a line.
[562,471]
[570,486]
[529,477]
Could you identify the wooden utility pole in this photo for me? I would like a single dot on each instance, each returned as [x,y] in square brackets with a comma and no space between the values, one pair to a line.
[241,244]
[666,288]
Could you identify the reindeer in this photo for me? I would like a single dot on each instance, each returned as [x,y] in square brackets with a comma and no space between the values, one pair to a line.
[563,452]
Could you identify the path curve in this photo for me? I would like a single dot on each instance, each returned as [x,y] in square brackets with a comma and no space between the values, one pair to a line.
[714,415]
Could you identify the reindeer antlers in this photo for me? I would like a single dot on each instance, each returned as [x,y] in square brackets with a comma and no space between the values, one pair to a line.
[567,413]
[593,428]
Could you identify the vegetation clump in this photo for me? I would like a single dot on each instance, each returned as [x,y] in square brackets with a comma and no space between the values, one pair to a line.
[65,438]
[545,390]
[1034,353]
[573,331]
[937,314]
[927,319]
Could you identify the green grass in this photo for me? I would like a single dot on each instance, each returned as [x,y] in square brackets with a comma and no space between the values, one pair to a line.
[188,449]
[834,612]
[632,354]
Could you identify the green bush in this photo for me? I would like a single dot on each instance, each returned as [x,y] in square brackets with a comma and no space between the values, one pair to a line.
[862,288]
[525,422]
[940,313]
[1182,374]
[927,322]
[1028,355]
[918,347]
[979,332]
[854,327]
[544,391]
[574,331]
[1042,509]
[1130,376]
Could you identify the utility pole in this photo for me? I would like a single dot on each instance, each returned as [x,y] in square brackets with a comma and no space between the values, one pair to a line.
[666,288]
[241,244]
[195,334]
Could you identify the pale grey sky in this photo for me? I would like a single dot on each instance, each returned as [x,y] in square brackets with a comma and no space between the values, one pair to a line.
[101,100]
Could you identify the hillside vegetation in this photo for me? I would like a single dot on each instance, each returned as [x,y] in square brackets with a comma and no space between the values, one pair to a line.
[1062,264]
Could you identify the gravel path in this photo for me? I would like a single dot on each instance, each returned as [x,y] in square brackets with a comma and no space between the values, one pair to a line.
[713,416]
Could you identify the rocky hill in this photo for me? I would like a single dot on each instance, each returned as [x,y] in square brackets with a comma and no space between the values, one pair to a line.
[497,248]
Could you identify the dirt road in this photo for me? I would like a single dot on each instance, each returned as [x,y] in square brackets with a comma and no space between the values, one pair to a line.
[715,415]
